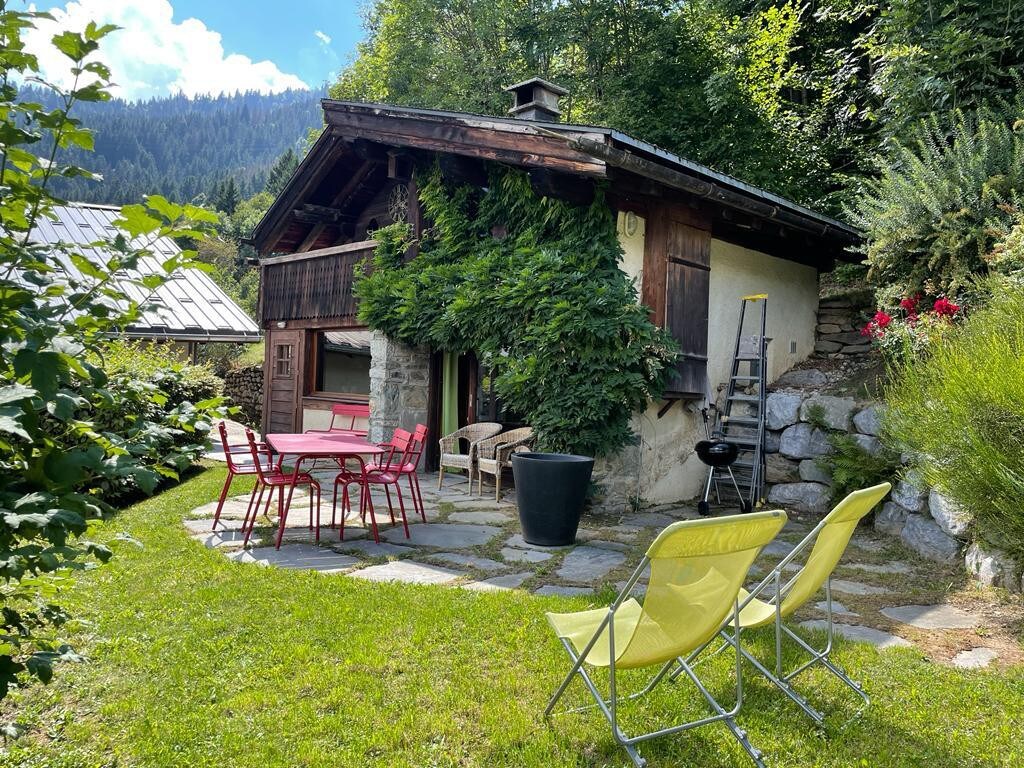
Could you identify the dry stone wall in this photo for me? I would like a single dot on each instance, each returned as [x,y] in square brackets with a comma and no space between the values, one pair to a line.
[840,321]
[924,519]
[244,388]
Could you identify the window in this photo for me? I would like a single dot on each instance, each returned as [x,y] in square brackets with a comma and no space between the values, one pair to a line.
[283,360]
[342,363]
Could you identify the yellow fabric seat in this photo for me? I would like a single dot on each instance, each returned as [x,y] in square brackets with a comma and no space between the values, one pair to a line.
[697,570]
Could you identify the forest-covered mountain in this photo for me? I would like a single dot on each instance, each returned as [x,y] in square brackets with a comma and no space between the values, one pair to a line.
[184,148]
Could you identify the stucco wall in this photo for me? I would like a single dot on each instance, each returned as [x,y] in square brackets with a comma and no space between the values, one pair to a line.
[663,466]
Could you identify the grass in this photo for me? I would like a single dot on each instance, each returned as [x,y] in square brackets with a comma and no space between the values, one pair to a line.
[197,661]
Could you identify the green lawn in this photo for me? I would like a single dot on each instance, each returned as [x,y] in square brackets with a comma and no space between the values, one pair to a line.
[197,661]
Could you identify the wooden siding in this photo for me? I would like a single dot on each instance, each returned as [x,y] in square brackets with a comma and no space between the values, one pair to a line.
[313,287]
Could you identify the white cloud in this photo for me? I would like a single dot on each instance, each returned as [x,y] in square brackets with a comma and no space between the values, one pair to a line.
[323,37]
[152,55]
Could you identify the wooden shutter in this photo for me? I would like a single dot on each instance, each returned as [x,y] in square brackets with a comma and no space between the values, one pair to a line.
[687,286]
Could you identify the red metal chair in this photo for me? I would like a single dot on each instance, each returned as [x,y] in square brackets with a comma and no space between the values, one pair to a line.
[240,462]
[401,451]
[269,477]
[410,469]
[343,419]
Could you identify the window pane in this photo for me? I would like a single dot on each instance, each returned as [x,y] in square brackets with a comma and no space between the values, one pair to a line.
[343,362]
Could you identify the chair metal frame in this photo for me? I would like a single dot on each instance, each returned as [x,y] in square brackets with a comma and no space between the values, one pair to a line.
[781,678]
[268,477]
[609,706]
[342,411]
[233,452]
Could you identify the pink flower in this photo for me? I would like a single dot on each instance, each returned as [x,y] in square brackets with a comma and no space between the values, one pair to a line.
[945,308]
[882,319]
[910,304]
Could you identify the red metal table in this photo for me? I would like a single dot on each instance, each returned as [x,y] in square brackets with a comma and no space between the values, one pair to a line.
[301,447]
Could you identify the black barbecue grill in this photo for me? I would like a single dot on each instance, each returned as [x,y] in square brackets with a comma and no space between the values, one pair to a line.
[719,453]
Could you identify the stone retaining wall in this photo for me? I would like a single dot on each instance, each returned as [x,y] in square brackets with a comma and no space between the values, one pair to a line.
[244,388]
[840,321]
[926,521]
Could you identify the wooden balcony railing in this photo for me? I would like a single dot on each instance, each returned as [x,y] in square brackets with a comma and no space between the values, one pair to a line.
[312,288]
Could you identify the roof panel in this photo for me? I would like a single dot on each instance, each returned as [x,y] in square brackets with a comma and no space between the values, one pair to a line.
[189,306]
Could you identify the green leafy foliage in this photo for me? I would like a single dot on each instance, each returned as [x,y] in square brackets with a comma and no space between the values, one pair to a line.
[960,411]
[852,467]
[938,207]
[532,286]
[68,429]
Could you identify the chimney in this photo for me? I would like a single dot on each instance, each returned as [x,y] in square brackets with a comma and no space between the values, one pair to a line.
[536,99]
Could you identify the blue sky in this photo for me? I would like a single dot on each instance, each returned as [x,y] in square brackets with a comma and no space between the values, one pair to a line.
[212,46]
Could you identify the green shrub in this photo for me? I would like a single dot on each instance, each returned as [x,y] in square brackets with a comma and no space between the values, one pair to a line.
[960,410]
[59,456]
[852,467]
[163,365]
[938,206]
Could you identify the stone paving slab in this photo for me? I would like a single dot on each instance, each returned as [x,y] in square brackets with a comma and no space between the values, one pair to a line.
[867,543]
[205,525]
[517,541]
[587,563]
[297,556]
[369,548]
[893,567]
[468,561]
[875,637]
[226,539]
[479,517]
[857,588]
[932,616]
[777,549]
[558,589]
[975,658]
[409,572]
[499,583]
[444,535]
[525,555]
[649,519]
[837,608]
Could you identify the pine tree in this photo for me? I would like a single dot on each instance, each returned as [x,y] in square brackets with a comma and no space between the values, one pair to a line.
[228,198]
[281,171]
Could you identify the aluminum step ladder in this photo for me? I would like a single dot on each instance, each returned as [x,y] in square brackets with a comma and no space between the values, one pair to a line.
[742,418]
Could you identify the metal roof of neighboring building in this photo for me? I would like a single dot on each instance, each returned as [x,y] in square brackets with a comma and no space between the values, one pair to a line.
[187,307]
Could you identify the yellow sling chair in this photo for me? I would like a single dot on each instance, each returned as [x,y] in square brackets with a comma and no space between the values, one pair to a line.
[697,570]
[830,539]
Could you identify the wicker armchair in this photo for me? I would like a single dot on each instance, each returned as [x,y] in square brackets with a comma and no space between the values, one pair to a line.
[495,454]
[452,456]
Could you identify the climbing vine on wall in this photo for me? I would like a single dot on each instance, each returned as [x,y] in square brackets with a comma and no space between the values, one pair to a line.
[532,286]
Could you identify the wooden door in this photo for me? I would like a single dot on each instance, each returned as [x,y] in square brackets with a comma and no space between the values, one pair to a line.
[283,372]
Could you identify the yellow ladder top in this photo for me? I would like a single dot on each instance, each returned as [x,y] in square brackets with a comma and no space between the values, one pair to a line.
[755,297]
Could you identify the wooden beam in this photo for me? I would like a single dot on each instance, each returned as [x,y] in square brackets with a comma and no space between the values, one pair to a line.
[519,145]
[459,169]
[321,214]
[575,190]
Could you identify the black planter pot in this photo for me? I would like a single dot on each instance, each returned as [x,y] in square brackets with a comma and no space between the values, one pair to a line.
[550,491]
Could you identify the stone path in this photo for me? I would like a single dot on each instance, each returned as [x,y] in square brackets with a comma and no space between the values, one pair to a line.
[890,598]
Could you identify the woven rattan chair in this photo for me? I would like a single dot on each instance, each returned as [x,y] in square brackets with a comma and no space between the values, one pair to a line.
[494,454]
[451,455]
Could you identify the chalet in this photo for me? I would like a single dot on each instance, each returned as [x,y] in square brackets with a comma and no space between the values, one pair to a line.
[188,309]
[694,241]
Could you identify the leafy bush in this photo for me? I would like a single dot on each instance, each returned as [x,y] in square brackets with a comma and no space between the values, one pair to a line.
[68,430]
[532,286]
[163,364]
[852,467]
[938,206]
[961,411]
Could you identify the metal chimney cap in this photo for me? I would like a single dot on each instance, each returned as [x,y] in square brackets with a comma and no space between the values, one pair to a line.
[553,87]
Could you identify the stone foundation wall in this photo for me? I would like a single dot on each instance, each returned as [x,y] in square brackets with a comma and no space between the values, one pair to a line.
[399,376]
[244,388]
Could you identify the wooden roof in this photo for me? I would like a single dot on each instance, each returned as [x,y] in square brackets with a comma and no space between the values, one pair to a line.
[350,161]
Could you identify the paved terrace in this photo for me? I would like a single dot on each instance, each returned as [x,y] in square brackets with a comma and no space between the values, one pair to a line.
[883,594]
